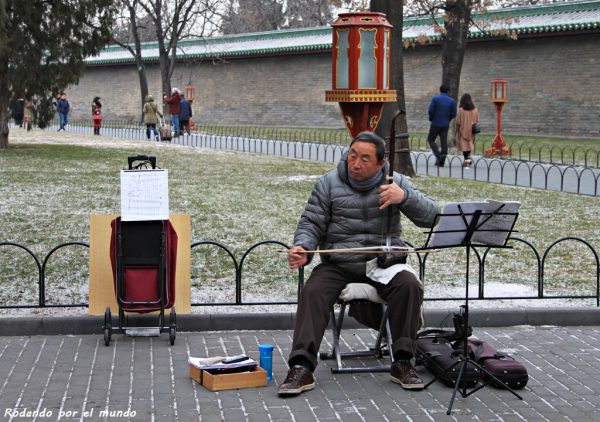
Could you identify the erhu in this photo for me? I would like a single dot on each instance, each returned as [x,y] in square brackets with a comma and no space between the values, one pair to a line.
[390,256]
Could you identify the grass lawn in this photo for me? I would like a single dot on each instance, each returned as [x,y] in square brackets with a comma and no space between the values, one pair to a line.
[51,183]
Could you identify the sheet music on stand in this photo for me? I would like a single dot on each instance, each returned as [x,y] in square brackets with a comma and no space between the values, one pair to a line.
[497,221]
[144,195]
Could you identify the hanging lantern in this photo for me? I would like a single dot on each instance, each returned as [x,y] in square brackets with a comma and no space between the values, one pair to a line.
[499,91]
[361,69]
[189,93]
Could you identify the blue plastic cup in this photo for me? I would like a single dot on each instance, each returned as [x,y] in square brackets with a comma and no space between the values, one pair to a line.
[266,359]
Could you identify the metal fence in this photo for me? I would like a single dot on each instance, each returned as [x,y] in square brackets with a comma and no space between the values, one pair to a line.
[588,156]
[539,166]
[533,152]
[540,262]
[569,179]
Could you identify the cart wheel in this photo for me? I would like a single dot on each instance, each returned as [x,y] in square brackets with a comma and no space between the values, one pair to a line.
[172,332]
[107,326]
[172,326]
[173,317]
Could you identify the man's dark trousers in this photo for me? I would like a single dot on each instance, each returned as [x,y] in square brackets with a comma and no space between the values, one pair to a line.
[403,294]
[442,132]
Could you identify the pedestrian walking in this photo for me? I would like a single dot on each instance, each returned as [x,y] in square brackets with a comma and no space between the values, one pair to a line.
[173,102]
[185,114]
[442,109]
[467,117]
[97,115]
[17,109]
[63,108]
[150,116]
[28,113]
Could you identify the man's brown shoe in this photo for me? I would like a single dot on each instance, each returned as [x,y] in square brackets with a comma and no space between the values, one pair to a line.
[298,379]
[405,374]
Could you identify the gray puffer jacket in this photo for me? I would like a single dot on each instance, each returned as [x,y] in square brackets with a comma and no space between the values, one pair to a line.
[337,216]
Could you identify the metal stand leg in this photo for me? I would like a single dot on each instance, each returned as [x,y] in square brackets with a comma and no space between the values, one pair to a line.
[375,352]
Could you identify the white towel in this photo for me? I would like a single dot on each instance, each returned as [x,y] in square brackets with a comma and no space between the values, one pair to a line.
[384,275]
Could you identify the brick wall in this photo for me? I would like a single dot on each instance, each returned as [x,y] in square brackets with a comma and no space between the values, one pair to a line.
[553,86]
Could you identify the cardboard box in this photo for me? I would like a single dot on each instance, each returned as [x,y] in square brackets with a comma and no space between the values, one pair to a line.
[257,377]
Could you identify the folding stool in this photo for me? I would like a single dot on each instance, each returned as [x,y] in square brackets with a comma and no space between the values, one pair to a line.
[359,293]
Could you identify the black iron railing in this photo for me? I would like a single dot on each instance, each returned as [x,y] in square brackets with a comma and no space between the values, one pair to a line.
[540,262]
[563,155]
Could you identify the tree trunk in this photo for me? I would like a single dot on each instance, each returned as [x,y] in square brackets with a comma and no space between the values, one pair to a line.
[4,112]
[458,15]
[393,10]
[4,115]
[143,87]
[164,71]
[143,79]
[456,24]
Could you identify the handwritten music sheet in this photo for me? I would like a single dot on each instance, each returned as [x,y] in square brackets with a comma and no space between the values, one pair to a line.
[144,195]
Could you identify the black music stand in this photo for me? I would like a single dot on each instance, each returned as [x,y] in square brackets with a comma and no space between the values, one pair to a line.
[470,225]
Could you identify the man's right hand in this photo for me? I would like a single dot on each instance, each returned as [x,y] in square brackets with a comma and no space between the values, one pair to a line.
[296,258]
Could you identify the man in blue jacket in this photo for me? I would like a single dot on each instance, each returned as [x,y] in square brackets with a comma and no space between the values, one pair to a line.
[442,109]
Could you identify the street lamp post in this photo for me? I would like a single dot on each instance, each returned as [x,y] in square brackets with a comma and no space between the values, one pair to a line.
[499,98]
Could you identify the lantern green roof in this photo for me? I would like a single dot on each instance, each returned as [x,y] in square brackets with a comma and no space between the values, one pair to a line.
[538,20]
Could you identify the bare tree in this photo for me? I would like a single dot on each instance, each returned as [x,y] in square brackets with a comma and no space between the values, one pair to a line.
[241,16]
[457,17]
[167,22]
[129,32]
[454,29]
[252,16]
[306,13]
[175,21]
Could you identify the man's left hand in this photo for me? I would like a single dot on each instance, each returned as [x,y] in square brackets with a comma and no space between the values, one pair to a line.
[390,194]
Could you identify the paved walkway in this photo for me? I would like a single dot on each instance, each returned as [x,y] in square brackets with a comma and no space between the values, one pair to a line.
[144,379]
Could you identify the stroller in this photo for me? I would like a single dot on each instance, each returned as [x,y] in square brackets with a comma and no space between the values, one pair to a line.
[143,258]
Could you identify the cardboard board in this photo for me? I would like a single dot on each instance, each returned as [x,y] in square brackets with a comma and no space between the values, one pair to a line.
[102,291]
[255,378]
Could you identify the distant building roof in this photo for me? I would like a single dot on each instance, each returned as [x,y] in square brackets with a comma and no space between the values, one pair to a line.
[540,19]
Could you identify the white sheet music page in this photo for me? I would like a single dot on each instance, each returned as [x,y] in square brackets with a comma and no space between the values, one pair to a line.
[144,195]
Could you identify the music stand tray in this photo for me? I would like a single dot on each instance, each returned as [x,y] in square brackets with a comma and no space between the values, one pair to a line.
[470,225]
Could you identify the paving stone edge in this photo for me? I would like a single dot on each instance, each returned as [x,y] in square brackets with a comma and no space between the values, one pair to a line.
[84,324]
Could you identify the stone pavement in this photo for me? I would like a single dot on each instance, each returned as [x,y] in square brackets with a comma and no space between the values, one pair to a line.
[144,379]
